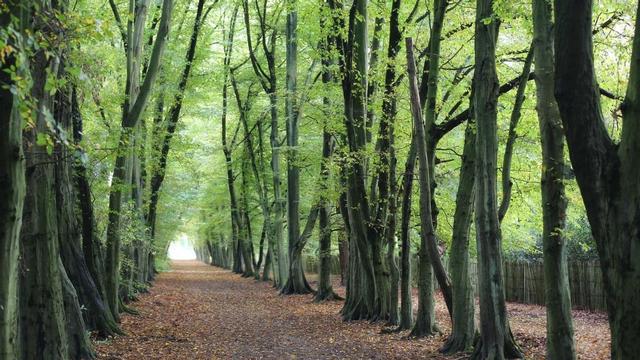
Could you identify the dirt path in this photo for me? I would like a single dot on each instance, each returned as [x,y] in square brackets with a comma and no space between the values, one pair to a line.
[201,312]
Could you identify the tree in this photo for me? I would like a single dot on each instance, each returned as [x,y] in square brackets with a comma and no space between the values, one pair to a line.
[463,327]
[296,282]
[425,321]
[48,302]
[100,317]
[327,44]
[496,340]
[158,174]
[269,83]
[239,204]
[12,180]
[607,173]
[135,102]
[560,343]
[362,293]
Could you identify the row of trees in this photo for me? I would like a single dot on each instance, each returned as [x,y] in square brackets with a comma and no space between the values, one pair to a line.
[358,169]
[66,270]
[84,157]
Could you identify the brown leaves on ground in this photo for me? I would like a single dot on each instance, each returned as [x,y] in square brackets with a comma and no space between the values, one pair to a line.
[201,312]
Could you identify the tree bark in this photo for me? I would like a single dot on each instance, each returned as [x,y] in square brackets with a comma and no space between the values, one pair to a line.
[425,321]
[12,190]
[406,303]
[269,85]
[41,295]
[363,297]
[246,236]
[429,103]
[325,289]
[496,340]
[608,174]
[135,102]
[560,344]
[463,328]
[72,227]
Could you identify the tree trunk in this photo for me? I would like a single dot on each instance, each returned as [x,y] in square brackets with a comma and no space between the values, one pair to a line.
[269,85]
[77,334]
[135,102]
[281,260]
[608,174]
[463,327]
[429,103]
[296,282]
[363,298]
[41,295]
[246,237]
[560,344]
[12,192]
[72,229]
[425,322]
[325,289]
[496,341]
[389,112]
[267,266]
[406,303]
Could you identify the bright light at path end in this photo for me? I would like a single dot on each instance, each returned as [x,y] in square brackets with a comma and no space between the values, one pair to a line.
[181,249]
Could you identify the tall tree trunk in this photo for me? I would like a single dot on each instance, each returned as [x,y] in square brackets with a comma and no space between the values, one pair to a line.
[362,294]
[296,282]
[389,112]
[91,247]
[97,315]
[429,103]
[270,86]
[406,303]
[12,189]
[233,203]
[608,174]
[496,341]
[425,322]
[560,344]
[246,237]
[281,260]
[463,327]
[41,295]
[325,290]
[135,102]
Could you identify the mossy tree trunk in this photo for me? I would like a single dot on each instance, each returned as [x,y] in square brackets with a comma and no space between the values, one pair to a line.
[12,188]
[48,301]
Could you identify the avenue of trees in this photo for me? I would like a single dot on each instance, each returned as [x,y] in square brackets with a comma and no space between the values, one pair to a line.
[275,130]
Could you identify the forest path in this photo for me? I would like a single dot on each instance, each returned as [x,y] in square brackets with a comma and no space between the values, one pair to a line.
[197,311]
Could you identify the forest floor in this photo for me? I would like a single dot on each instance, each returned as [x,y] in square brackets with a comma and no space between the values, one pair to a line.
[197,311]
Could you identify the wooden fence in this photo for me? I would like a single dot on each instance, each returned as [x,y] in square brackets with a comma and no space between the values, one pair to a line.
[524,281]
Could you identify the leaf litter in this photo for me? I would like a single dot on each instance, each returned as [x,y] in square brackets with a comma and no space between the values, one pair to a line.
[197,311]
